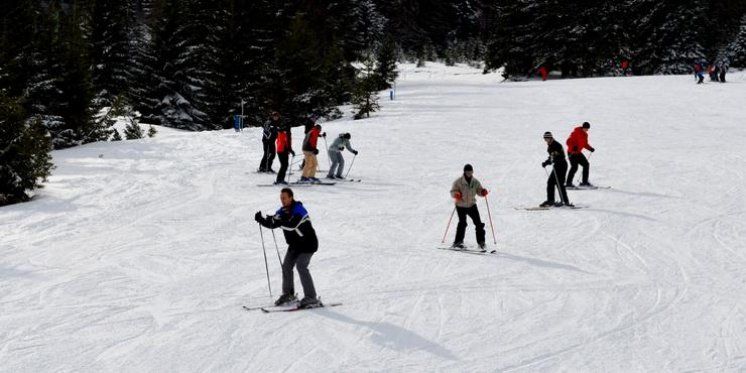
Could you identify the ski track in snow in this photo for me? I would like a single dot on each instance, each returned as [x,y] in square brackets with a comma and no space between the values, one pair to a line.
[140,260]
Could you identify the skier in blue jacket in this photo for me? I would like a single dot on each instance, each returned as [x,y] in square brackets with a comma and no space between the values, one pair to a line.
[300,236]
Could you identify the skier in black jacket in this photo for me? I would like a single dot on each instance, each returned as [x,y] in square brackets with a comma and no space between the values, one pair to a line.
[559,170]
[300,236]
[269,135]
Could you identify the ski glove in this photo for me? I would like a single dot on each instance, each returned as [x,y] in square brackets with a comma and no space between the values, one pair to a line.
[592,149]
[323,134]
[316,151]
[292,152]
[457,196]
[484,193]
[354,152]
[258,217]
[545,163]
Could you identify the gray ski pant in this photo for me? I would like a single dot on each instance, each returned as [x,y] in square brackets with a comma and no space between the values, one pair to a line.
[300,261]
[338,163]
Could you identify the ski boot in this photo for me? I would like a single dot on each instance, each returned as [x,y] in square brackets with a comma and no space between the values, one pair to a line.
[285,299]
[482,247]
[458,245]
[308,302]
[547,204]
[586,184]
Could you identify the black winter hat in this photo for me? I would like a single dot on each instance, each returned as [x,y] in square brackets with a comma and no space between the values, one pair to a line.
[347,136]
[548,135]
[586,125]
[468,167]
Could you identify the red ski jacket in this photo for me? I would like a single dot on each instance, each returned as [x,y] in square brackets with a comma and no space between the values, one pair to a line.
[578,139]
[311,138]
[283,142]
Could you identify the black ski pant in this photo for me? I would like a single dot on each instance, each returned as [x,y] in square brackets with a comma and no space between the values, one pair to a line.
[557,180]
[283,157]
[473,213]
[575,160]
[269,155]
[300,261]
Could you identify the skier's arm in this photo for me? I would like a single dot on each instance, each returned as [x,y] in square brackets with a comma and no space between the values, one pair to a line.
[456,191]
[349,147]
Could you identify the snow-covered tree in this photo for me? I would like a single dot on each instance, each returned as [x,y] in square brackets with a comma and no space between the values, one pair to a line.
[736,50]
[24,152]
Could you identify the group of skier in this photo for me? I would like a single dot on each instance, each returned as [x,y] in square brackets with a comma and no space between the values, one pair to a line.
[576,143]
[716,71]
[277,141]
[294,220]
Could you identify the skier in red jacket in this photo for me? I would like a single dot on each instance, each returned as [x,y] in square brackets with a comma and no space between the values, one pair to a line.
[578,141]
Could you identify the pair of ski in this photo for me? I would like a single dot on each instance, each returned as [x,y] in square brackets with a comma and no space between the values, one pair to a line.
[292,307]
[546,208]
[297,183]
[469,250]
[580,187]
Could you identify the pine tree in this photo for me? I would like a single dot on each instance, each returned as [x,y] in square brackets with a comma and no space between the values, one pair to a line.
[152,131]
[113,37]
[365,95]
[736,50]
[24,152]
[116,136]
[387,58]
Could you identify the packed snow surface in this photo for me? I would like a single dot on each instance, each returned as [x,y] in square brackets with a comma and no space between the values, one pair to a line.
[138,255]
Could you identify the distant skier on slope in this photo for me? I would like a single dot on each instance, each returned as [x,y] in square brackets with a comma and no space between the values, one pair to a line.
[578,141]
[335,154]
[465,191]
[269,135]
[699,73]
[308,124]
[310,150]
[557,176]
[300,236]
[284,146]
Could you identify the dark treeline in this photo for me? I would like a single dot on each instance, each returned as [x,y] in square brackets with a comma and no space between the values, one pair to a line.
[590,38]
[190,64]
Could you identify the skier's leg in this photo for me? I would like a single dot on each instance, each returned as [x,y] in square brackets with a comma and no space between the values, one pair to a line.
[271,155]
[573,168]
[288,285]
[561,170]
[333,166]
[283,166]
[341,168]
[305,275]
[583,161]
[461,226]
[263,162]
[306,163]
[314,166]
[551,184]
[474,214]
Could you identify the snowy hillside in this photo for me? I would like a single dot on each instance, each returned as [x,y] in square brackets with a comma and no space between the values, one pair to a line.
[138,255]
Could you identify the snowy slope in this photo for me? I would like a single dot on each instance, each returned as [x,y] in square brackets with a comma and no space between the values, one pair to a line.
[140,260]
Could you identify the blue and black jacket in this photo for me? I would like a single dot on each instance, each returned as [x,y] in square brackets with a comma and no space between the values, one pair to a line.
[296,226]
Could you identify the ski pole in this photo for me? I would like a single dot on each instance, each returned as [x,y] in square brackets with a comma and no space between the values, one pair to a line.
[351,164]
[448,226]
[492,226]
[266,266]
[290,171]
[277,249]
